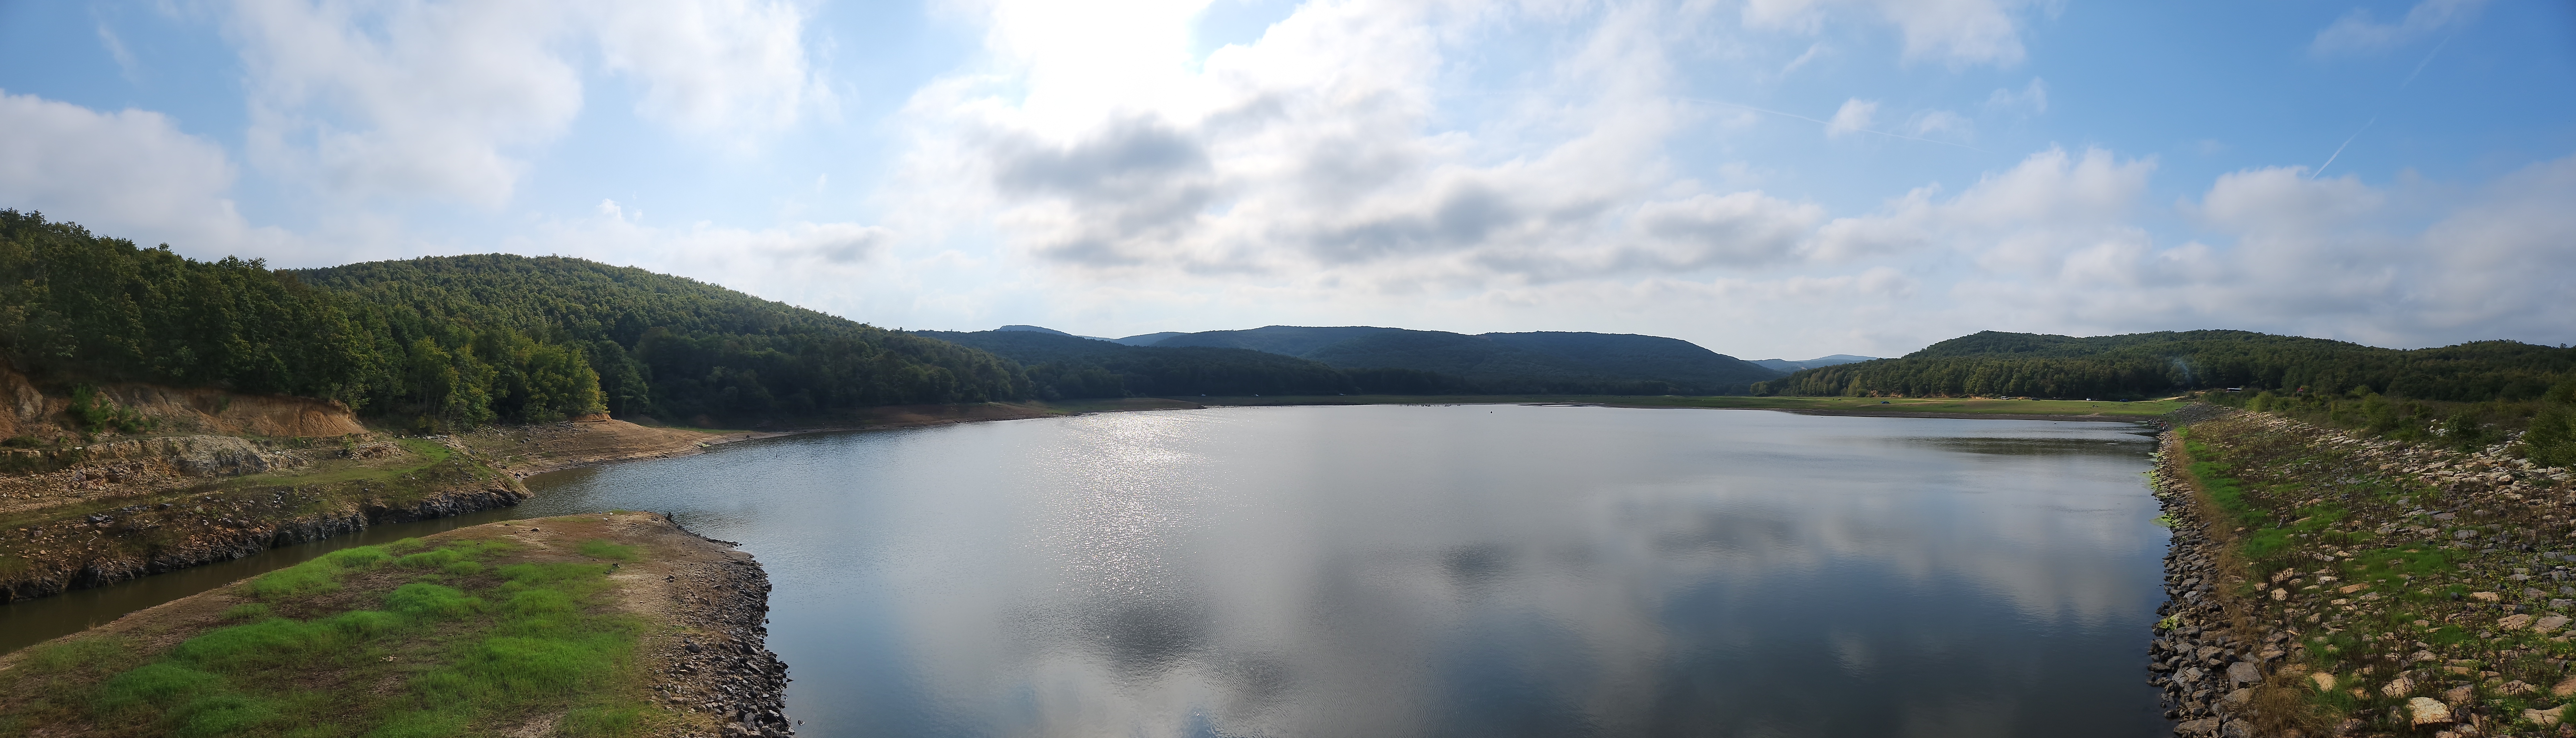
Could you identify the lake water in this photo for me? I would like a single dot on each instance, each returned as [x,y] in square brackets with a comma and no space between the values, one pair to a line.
[1432,571]
[1442,571]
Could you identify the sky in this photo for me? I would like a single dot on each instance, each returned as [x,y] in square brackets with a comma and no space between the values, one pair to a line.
[1766,178]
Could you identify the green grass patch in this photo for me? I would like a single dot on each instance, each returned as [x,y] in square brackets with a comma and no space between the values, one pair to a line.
[475,647]
[604,549]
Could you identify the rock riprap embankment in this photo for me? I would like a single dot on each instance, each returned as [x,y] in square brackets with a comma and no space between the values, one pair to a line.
[2326,584]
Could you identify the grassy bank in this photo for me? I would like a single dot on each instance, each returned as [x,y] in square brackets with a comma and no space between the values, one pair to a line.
[530,628]
[2393,577]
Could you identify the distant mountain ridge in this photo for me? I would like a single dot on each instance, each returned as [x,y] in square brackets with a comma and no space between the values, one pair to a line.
[1785,366]
[1519,361]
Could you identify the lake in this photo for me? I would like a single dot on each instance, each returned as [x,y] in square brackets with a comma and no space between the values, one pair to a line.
[1442,571]
[1404,571]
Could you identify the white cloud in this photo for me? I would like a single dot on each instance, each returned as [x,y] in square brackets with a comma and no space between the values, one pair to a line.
[1958,32]
[130,174]
[1941,123]
[2031,99]
[1855,116]
[1312,148]
[442,99]
[2361,32]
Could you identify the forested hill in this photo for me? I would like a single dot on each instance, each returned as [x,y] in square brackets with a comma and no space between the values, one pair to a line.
[2155,364]
[669,346]
[1506,362]
[453,341]
[1065,366]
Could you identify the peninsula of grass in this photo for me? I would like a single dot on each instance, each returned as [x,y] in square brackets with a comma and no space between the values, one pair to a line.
[472,633]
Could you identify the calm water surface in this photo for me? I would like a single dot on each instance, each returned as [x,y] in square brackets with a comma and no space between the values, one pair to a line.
[1441,571]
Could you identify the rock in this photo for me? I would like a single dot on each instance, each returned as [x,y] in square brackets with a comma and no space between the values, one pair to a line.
[2545,718]
[2425,711]
[2515,687]
[2236,729]
[2513,622]
[2325,682]
[2203,726]
[2423,656]
[2244,672]
[2237,699]
[2188,675]
[2400,687]
[2460,695]
[2485,596]
[2564,688]
[2549,624]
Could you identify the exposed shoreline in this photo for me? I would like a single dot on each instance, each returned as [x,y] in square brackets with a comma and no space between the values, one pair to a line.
[700,666]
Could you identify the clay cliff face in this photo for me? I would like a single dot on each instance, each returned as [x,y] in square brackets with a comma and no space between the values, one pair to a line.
[29,411]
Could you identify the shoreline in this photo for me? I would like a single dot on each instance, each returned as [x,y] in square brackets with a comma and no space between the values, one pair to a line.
[698,663]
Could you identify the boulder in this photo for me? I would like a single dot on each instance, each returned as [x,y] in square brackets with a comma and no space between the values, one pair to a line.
[2515,621]
[2427,711]
[2545,718]
[2325,682]
[2244,672]
[2399,687]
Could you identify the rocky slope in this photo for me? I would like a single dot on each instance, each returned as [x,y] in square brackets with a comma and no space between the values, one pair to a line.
[2326,584]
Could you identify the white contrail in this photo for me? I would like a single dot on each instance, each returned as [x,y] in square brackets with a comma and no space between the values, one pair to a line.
[2321,168]
[1830,124]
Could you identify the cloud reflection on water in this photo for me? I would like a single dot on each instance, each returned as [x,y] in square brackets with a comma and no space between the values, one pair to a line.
[1411,571]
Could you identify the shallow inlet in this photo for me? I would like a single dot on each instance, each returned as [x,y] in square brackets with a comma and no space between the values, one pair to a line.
[1432,571]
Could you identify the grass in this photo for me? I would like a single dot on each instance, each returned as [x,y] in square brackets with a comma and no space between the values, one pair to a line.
[1828,405]
[405,639]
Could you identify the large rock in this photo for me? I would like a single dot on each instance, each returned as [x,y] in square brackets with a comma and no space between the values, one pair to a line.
[2546,718]
[2400,687]
[2244,672]
[2428,711]
[2203,726]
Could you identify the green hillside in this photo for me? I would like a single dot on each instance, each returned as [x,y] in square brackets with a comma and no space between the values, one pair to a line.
[2155,364]
[453,341]
[1063,366]
[671,346]
[1512,363]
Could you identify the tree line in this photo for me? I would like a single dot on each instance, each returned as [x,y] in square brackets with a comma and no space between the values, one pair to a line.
[2162,364]
[453,342]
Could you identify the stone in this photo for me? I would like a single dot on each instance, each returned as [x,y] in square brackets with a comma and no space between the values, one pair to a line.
[2400,687]
[2238,699]
[2485,596]
[2423,656]
[2564,688]
[2515,621]
[2545,718]
[2188,675]
[2460,695]
[2203,726]
[2515,687]
[2244,672]
[2426,711]
[2325,682]
[2236,729]
[2549,624]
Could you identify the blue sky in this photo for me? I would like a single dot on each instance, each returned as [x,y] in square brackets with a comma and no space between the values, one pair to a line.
[1766,178]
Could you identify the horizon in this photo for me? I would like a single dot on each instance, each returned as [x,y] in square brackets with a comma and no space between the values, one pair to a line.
[1771,178]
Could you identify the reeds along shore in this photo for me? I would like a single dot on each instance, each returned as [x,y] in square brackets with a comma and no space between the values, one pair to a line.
[2324,584]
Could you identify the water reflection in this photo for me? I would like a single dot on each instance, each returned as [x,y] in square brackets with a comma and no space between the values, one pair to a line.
[1424,571]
